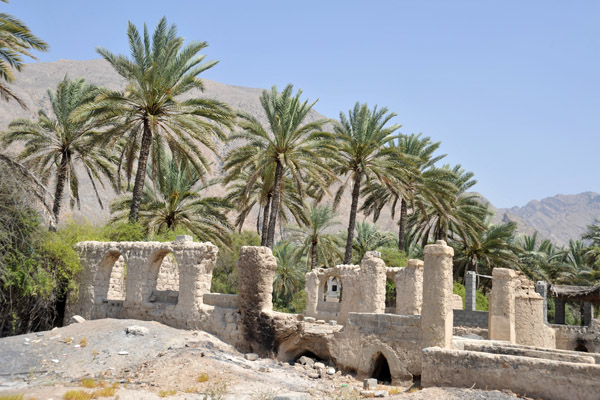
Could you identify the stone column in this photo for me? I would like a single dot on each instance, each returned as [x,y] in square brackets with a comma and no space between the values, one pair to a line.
[256,271]
[470,291]
[559,311]
[409,289]
[437,314]
[588,313]
[541,288]
[501,323]
[312,289]
[372,284]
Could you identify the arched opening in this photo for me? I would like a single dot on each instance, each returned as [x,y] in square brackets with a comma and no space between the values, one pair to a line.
[390,296]
[381,370]
[111,278]
[332,290]
[166,278]
[309,354]
[581,347]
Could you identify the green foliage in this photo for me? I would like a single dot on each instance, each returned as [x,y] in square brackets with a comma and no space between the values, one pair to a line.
[224,278]
[390,293]
[289,276]
[482,303]
[393,256]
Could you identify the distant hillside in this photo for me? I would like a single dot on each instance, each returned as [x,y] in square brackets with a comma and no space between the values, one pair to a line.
[559,218]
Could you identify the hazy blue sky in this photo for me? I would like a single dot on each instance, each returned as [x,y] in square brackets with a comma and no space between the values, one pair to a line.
[511,88]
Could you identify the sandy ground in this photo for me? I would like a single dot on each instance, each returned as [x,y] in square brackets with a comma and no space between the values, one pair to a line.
[170,363]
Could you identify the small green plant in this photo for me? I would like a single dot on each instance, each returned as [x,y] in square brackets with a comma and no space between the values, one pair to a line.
[77,395]
[202,378]
[11,397]
[263,395]
[108,391]
[167,393]
[217,391]
[89,383]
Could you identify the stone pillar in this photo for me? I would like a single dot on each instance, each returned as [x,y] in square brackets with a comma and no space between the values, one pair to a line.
[588,313]
[437,314]
[196,262]
[470,291]
[409,289]
[541,288]
[501,323]
[559,311]
[371,284]
[256,271]
[312,294]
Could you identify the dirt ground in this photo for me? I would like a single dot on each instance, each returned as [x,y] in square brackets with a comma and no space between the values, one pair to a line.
[157,361]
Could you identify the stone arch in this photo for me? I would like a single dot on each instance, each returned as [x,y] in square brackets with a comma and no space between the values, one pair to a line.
[163,277]
[398,371]
[330,294]
[110,277]
[381,369]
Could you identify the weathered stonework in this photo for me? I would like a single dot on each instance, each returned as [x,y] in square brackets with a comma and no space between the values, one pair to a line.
[437,314]
[409,288]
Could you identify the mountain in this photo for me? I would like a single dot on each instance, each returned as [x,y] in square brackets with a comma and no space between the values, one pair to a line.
[558,218]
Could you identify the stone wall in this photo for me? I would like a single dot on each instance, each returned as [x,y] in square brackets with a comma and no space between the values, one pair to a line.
[409,288]
[366,336]
[165,282]
[537,378]
[474,319]
[581,338]
[362,289]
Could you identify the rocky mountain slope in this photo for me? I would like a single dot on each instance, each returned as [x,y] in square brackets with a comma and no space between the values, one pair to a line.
[559,218]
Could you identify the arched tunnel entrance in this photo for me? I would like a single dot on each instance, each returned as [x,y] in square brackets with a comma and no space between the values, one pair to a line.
[309,354]
[381,370]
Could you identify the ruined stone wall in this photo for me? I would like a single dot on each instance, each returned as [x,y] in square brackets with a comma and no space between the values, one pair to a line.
[584,338]
[474,319]
[409,288]
[537,378]
[365,336]
[362,286]
[177,301]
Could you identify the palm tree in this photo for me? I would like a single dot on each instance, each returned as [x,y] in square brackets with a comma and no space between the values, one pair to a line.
[313,239]
[151,112]
[363,155]
[16,40]
[260,195]
[55,145]
[461,219]
[289,276]
[175,200]
[494,248]
[421,183]
[289,145]
[369,238]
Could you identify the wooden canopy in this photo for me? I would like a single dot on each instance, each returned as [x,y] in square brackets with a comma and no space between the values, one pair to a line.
[577,293]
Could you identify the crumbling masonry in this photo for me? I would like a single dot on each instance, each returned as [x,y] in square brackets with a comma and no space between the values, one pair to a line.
[345,321]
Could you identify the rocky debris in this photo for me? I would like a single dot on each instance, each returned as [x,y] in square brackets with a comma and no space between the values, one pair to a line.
[320,321]
[330,371]
[381,393]
[251,356]
[123,353]
[136,330]
[306,361]
[319,365]
[76,319]
[292,396]
[370,384]
[333,322]
[309,320]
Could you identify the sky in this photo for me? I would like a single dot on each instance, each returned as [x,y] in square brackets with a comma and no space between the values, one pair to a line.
[510,88]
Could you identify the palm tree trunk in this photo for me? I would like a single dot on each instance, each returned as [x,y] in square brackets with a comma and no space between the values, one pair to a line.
[352,221]
[313,255]
[275,204]
[60,187]
[257,222]
[140,176]
[402,225]
[265,224]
